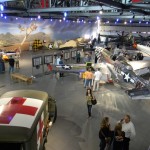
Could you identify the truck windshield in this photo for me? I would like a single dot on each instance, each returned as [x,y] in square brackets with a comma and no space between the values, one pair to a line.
[8,146]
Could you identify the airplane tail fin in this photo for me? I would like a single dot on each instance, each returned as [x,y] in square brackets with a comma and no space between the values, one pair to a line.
[134,43]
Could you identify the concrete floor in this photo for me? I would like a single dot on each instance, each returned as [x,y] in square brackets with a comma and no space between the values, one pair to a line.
[73,130]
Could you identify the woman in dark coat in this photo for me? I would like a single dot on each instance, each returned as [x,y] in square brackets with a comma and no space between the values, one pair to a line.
[118,138]
[104,133]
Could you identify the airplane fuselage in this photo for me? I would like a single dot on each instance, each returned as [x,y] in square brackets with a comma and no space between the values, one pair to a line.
[121,68]
[143,48]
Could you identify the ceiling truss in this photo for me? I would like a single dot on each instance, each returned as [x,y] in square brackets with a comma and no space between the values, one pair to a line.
[90,9]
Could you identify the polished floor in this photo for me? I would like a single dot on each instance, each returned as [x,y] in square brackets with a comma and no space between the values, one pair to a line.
[72,129]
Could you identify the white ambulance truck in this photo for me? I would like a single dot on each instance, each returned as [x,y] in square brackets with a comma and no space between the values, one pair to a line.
[25,119]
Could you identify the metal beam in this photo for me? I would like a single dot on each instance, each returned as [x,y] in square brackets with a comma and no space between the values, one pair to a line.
[15,8]
[6,1]
[90,16]
[145,6]
[112,4]
[11,11]
[66,9]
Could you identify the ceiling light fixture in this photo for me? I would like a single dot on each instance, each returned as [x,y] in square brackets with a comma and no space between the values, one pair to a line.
[1,7]
[39,17]
[101,11]
[97,17]
[117,19]
[125,22]
[65,14]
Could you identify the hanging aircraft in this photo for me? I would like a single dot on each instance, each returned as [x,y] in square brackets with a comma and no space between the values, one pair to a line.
[125,71]
[141,39]
[122,39]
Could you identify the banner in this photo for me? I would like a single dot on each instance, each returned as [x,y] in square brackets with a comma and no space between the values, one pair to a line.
[136,1]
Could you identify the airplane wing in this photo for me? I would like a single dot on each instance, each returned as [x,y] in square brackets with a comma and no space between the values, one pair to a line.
[70,68]
[136,65]
[109,36]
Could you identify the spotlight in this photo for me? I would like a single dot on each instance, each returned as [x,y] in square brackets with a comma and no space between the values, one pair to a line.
[65,14]
[101,11]
[117,19]
[139,22]
[1,7]
[130,21]
[125,22]
[1,15]
[97,17]
[39,17]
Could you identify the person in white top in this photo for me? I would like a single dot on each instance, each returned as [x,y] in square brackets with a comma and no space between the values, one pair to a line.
[129,129]
[97,77]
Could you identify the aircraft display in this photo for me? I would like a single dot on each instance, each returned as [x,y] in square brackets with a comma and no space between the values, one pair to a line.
[70,68]
[141,39]
[124,71]
[143,48]
[122,39]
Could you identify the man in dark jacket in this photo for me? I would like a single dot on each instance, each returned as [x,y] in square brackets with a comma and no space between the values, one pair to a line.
[11,64]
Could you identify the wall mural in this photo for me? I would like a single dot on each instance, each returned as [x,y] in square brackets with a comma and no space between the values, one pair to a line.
[20,33]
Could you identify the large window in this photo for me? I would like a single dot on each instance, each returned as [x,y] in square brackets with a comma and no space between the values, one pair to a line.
[48,59]
[36,61]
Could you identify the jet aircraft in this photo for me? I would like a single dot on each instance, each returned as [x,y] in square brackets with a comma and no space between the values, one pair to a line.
[124,71]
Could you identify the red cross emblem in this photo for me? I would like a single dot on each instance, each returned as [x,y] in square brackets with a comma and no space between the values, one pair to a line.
[40,129]
[15,106]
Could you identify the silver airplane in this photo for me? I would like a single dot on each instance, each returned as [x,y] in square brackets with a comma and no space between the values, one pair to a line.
[124,71]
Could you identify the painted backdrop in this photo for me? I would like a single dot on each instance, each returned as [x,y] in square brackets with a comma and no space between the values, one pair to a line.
[20,33]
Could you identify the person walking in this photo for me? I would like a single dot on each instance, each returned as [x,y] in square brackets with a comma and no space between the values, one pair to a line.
[97,77]
[2,65]
[129,129]
[17,61]
[88,78]
[118,138]
[78,55]
[89,98]
[11,64]
[105,133]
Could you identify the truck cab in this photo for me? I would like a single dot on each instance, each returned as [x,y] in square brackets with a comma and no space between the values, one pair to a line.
[25,119]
